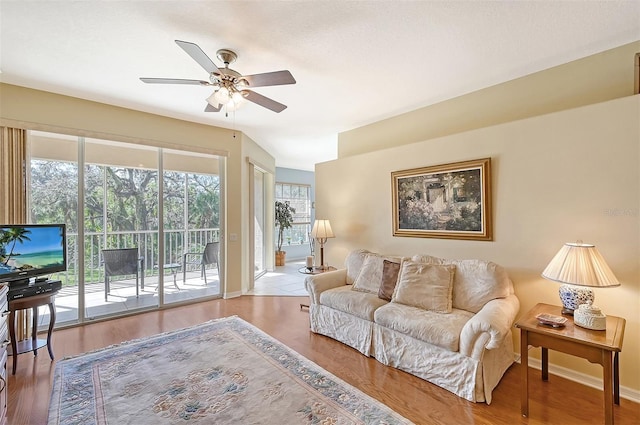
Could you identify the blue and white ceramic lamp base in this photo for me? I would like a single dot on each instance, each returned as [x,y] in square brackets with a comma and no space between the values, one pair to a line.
[579,303]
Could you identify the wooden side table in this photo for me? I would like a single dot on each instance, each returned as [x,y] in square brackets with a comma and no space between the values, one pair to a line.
[34,343]
[601,347]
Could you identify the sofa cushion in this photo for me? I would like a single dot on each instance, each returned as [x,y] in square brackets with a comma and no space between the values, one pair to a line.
[353,264]
[359,304]
[390,272]
[442,330]
[370,277]
[475,283]
[426,286]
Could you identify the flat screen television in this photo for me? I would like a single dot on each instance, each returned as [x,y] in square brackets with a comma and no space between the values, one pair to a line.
[31,250]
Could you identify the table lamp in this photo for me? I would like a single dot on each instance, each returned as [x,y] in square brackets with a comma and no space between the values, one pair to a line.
[579,264]
[321,232]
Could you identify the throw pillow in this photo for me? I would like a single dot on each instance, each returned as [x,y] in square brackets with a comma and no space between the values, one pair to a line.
[390,271]
[370,277]
[476,282]
[425,286]
[353,264]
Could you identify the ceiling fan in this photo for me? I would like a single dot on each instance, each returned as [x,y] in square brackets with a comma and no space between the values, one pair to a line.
[230,87]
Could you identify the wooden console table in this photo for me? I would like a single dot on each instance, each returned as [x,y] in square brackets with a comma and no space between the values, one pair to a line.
[601,347]
[34,343]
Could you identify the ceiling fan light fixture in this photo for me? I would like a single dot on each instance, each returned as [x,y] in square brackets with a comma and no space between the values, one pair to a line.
[237,97]
[236,101]
[230,100]
[232,105]
[211,100]
[222,95]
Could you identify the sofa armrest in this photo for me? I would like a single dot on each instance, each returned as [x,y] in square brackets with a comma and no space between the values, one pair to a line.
[318,283]
[487,328]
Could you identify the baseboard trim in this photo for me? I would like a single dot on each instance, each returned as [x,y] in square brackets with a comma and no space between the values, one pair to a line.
[581,378]
[232,295]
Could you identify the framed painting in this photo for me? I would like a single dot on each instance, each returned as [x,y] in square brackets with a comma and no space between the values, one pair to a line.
[450,201]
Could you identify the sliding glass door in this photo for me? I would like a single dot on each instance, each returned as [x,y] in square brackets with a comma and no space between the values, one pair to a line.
[120,213]
[259,220]
[191,223]
[135,216]
[53,176]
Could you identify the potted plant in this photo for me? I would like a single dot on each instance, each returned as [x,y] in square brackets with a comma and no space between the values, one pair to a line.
[284,220]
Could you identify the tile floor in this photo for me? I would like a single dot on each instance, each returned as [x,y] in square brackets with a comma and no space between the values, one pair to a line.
[284,281]
[122,296]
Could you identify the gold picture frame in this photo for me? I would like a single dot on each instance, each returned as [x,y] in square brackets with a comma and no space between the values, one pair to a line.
[449,201]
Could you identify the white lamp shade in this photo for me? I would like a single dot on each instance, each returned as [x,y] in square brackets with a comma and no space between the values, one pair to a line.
[322,230]
[235,102]
[222,96]
[211,100]
[580,264]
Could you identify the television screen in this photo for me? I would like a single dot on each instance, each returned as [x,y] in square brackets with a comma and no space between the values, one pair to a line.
[28,250]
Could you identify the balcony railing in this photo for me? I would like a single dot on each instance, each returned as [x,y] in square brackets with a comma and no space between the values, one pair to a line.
[176,243]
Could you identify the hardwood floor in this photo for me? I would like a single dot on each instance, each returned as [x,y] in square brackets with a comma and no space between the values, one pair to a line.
[558,401]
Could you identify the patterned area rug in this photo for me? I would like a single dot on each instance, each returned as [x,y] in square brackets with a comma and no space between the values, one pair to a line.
[221,372]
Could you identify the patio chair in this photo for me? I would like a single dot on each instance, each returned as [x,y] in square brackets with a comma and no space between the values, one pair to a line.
[120,262]
[202,259]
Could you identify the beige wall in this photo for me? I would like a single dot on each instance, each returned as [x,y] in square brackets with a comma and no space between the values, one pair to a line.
[556,178]
[38,110]
[598,78]
[255,154]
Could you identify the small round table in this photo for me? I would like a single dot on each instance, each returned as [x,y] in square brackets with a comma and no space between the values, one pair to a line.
[314,271]
[173,267]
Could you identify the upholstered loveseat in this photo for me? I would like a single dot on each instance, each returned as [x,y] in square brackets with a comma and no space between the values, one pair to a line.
[446,321]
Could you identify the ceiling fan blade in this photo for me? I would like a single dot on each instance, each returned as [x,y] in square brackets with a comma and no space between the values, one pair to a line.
[199,56]
[211,108]
[276,78]
[263,101]
[174,81]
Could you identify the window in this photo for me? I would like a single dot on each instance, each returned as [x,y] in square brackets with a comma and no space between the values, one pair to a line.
[299,197]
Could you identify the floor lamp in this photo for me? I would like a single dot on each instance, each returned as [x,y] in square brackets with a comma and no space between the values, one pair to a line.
[321,232]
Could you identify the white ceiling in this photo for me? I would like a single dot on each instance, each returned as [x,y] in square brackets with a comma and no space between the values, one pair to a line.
[355,62]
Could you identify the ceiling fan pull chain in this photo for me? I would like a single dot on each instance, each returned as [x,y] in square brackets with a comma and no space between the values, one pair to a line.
[234,123]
